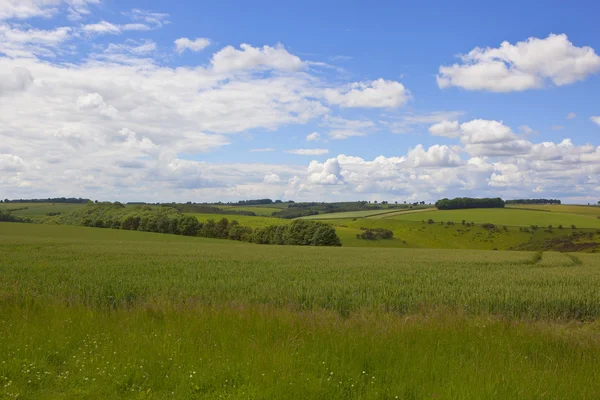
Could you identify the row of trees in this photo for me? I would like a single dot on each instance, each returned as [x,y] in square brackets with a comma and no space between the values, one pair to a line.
[468,202]
[170,221]
[49,200]
[533,201]
[375,234]
[6,216]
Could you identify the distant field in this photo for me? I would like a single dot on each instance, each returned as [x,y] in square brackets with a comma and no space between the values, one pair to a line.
[505,216]
[246,220]
[563,208]
[110,314]
[262,211]
[38,210]
[350,214]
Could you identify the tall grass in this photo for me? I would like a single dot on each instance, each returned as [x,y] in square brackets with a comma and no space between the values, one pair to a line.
[102,314]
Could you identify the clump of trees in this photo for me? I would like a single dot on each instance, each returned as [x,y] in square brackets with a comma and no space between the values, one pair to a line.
[6,216]
[298,233]
[170,221]
[375,234]
[468,202]
[533,201]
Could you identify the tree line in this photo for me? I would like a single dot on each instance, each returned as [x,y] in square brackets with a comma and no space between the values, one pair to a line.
[533,201]
[49,200]
[170,221]
[468,202]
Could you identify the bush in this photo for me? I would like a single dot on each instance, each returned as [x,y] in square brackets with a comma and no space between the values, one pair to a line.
[430,221]
[375,234]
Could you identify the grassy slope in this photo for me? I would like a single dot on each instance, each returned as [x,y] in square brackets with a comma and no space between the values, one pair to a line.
[350,214]
[563,208]
[262,211]
[506,216]
[39,210]
[93,313]
[253,222]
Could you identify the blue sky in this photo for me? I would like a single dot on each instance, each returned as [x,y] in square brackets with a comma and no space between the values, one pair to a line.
[170,101]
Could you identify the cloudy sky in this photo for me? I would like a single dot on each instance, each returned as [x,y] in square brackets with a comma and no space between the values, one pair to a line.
[227,100]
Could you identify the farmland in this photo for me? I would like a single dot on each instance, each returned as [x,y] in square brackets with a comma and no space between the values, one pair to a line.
[506,216]
[101,313]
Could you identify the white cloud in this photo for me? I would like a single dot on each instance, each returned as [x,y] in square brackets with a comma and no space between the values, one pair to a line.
[25,9]
[409,121]
[525,65]
[308,152]
[183,44]
[102,28]
[135,27]
[327,173]
[445,128]
[16,42]
[596,120]
[16,80]
[375,94]
[265,150]
[571,115]
[155,19]
[341,128]
[313,137]
[230,59]
[272,179]
[11,163]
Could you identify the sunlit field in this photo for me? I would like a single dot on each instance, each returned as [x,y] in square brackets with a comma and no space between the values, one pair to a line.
[101,313]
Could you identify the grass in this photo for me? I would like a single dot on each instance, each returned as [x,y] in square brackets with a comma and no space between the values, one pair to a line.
[351,214]
[246,220]
[261,211]
[98,313]
[38,210]
[505,216]
[562,208]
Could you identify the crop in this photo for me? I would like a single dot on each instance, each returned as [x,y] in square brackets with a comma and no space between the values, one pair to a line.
[101,313]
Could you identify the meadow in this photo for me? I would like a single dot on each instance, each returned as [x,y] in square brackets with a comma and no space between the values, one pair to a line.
[506,216]
[38,211]
[99,313]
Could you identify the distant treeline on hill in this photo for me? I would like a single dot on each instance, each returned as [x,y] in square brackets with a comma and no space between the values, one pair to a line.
[50,200]
[468,202]
[170,221]
[533,201]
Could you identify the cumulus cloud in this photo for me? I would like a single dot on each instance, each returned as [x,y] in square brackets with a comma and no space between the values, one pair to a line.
[18,43]
[183,44]
[445,128]
[327,173]
[313,137]
[596,120]
[272,179]
[16,80]
[374,94]
[25,9]
[230,59]
[525,65]
[308,152]
[102,28]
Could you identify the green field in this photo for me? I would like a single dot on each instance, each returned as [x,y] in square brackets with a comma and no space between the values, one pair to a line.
[261,211]
[100,313]
[562,208]
[38,210]
[246,220]
[505,216]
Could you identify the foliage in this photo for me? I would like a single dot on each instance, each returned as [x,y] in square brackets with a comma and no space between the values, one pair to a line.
[375,234]
[468,202]
[6,216]
[72,200]
[533,201]
[298,233]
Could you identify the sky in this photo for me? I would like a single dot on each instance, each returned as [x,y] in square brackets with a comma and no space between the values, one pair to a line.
[308,101]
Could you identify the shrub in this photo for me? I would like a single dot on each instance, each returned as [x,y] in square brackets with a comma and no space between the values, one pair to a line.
[430,221]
